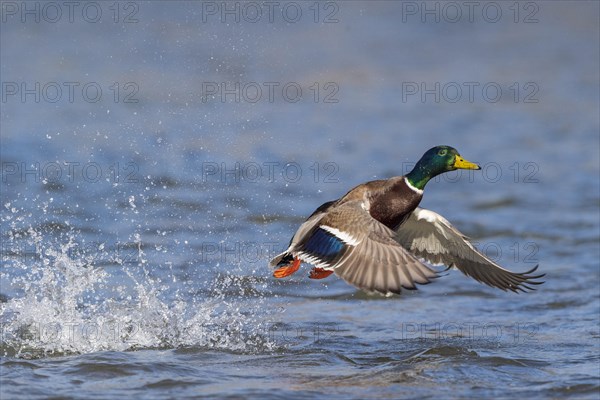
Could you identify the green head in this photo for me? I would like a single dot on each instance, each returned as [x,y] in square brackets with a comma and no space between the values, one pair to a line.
[436,161]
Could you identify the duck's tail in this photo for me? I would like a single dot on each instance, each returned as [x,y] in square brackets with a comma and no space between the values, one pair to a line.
[281,260]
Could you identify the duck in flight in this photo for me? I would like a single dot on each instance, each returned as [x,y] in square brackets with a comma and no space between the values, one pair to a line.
[377,238]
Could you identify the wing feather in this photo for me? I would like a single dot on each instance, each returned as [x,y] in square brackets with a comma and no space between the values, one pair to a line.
[431,237]
[376,262]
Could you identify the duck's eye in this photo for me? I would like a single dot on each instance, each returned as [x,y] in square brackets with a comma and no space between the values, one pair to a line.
[442,152]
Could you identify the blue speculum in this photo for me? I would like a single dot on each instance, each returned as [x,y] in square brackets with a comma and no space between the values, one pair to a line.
[324,244]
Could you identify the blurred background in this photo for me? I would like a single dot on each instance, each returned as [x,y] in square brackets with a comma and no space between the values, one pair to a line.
[155,155]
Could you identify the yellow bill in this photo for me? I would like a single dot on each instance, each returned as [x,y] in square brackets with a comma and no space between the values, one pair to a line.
[461,163]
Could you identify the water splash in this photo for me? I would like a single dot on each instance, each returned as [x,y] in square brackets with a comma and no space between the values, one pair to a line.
[65,301]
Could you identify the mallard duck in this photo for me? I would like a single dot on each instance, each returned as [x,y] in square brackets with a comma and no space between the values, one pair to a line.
[377,238]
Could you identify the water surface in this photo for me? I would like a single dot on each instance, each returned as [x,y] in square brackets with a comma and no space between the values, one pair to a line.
[136,229]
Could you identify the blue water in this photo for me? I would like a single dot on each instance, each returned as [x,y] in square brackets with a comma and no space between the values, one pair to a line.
[139,211]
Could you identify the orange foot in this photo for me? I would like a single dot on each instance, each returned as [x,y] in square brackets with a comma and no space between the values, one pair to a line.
[319,273]
[287,270]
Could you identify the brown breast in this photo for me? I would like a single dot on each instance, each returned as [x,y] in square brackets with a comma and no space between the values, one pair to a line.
[390,200]
[392,203]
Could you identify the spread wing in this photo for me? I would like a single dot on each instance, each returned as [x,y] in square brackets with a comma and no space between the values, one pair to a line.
[362,251]
[431,237]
